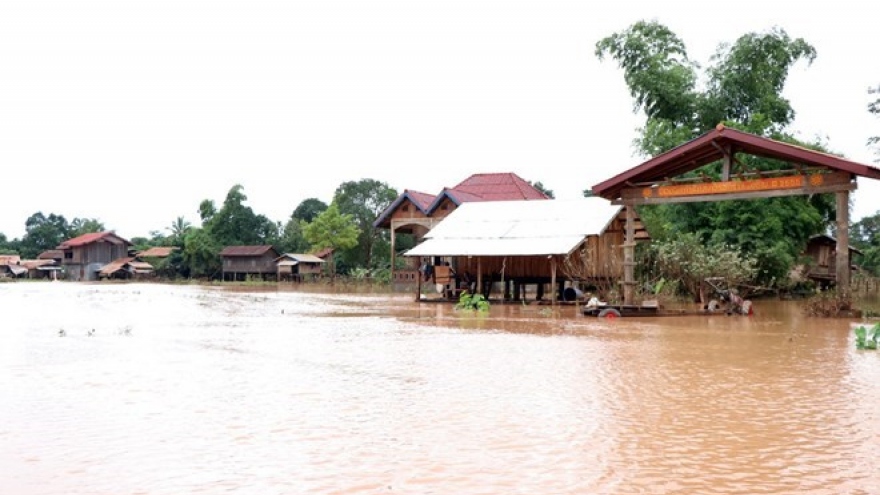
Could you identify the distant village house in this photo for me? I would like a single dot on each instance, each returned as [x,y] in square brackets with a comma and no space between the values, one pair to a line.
[240,262]
[85,256]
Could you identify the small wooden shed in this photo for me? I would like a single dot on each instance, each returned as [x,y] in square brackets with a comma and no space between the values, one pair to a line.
[822,253]
[297,267]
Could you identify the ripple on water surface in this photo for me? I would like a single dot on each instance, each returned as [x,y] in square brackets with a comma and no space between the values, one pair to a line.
[185,389]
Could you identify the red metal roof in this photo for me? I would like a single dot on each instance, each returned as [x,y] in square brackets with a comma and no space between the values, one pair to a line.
[90,238]
[708,148]
[489,187]
[498,187]
[246,250]
[420,199]
[478,187]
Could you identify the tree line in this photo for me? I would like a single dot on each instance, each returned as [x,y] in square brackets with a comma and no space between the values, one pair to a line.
[680,100]
[345,225]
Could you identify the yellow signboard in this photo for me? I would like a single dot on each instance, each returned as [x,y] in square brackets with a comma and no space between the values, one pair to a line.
[734,186]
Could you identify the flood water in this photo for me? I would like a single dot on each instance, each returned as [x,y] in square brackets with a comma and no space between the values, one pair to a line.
[186,389]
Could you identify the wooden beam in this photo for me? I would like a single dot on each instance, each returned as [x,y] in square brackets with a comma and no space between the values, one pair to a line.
[553,280]
[733,196]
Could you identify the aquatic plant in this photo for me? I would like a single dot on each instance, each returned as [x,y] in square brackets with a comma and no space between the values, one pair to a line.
[473,302]
[867,339]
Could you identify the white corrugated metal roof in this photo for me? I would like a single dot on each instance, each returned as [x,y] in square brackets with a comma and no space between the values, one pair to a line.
[301,258]
[517,228]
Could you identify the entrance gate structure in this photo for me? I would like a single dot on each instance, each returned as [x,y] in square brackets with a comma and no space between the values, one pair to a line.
[659,181]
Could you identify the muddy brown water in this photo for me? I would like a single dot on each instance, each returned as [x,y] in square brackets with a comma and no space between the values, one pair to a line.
[184,389]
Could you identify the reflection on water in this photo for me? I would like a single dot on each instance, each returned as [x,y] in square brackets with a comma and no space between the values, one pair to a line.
[266,392]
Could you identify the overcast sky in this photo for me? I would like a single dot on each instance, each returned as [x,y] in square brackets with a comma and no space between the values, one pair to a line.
[134,112]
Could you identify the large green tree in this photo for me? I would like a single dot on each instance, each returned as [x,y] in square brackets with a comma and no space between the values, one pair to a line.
[308,209]
[332,229]
[200,254]
[743,89]
[43,232]
[236,224]
[364,200]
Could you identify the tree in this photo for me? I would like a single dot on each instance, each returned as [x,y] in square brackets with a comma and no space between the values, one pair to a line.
[364,200]
[874,108]
[308,209]
[293,238]
[80,226]
[539,186]
[7,246]
[179,228]
[42,233]
[207,210]
[865,236]
[332,229]
[201,253]
[688,261]
[236,224]
[744,84]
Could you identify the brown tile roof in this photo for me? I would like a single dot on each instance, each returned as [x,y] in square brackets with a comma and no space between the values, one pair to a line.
[246,250]
[10,259]
[51,254]
[114,266]
[90,238]
[158,252]
[33,264]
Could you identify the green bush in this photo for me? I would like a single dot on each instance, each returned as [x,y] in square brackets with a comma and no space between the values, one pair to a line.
[472,302]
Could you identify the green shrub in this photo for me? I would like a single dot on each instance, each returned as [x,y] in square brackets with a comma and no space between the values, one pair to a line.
[472,302]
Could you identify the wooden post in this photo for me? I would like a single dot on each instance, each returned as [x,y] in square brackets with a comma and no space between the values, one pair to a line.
[629,244]
[479,275]
[727,164]
[419,275]
[553,280]
[393,258]
[843,269]
[503,284]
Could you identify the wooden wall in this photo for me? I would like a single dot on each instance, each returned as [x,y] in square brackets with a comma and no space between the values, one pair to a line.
[250,264]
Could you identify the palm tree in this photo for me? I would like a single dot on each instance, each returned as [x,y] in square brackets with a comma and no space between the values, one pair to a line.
[179,228]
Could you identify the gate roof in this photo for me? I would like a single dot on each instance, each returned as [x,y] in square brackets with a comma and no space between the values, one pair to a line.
[710,147]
